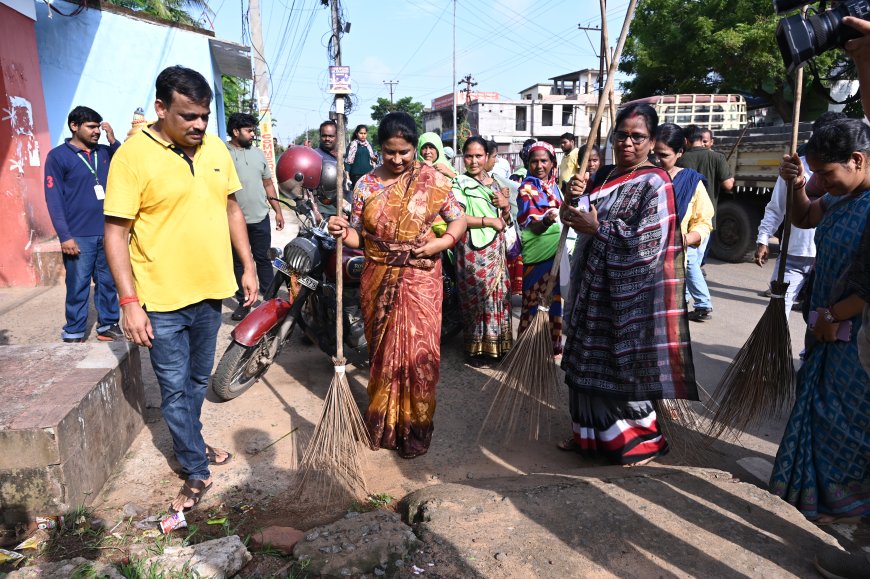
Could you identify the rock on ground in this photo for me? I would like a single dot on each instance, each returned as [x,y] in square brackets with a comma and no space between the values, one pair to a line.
[67,568]
[280,538]
[218,559]
[376,542]
[643,522]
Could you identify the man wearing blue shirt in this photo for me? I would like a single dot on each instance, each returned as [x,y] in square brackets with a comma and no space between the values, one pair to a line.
[75,180]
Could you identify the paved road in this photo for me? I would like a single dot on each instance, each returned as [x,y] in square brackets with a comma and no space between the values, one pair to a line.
[290,397]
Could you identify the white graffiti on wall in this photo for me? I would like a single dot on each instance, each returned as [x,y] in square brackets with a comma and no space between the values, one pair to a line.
[25,147]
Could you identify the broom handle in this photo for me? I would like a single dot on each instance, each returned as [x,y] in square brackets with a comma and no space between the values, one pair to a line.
[596,122]
[796,119]
[339,261]
[605,46]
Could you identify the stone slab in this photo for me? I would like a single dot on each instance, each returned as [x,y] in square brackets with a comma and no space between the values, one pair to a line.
[68,413]
[614,522]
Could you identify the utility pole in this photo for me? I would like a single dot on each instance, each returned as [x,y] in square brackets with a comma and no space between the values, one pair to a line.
[600,55]
[391,83]
[261,84]
[468,81]
[453,90]
[341,132]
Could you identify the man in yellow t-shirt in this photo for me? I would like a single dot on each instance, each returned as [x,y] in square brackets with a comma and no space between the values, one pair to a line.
[171,218]
[569,164]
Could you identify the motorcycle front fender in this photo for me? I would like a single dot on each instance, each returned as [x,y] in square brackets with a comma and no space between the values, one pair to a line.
[256,324]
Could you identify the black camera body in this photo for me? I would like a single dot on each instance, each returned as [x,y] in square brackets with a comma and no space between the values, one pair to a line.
[801,39]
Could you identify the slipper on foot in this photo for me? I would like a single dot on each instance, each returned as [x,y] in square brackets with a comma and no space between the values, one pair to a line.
[211,455]
[187,490]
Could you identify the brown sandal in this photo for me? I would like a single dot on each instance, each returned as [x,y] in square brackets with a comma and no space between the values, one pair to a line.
[187,490]
[568,445]
[211,454]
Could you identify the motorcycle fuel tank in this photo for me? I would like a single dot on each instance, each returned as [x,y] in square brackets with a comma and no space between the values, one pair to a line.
[352,261]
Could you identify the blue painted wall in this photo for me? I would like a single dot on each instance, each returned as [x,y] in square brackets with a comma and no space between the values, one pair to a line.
[109,62]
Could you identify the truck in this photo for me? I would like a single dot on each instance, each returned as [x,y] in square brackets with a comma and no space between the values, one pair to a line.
[754,155]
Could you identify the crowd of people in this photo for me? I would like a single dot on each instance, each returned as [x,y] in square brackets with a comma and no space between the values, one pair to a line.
[639,231]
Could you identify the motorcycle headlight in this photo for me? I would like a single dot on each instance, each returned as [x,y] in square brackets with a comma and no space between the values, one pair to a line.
[302,255]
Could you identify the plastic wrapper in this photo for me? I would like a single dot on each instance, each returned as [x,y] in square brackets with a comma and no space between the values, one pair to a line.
[172,522]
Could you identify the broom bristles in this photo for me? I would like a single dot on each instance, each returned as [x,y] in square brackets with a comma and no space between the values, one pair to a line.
[527,382]
[760,382]
[334,455]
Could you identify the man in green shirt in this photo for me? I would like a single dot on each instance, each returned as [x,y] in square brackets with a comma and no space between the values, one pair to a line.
[254,201]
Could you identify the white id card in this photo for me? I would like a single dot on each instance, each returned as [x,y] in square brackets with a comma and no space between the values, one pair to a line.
[98,189]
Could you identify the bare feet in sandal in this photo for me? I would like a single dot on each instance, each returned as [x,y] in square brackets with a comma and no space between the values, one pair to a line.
[217,456]
[568,444]
[643,462]
[191,493]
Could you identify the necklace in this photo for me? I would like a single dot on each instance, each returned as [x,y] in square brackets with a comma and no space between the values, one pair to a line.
[612,171]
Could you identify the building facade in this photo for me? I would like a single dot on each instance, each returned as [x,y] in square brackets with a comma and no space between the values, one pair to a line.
[543,111]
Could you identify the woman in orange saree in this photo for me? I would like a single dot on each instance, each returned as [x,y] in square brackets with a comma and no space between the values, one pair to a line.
[393,209]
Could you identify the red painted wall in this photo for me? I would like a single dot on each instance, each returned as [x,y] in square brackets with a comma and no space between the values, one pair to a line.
[24,143]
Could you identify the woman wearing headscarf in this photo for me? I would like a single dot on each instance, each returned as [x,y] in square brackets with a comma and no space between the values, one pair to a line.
[392,213]
[538,203]
[431,152]
[627,334]
[481,268]
[360,157]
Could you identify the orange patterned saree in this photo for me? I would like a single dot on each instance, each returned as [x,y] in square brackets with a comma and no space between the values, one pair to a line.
[401,303]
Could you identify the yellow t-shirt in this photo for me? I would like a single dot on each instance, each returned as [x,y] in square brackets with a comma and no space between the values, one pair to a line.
[180,239]
[569,165]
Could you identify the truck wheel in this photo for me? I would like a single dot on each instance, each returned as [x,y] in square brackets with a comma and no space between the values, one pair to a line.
[734,233]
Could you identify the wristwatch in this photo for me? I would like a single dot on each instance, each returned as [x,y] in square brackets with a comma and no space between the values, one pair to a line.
[829,316]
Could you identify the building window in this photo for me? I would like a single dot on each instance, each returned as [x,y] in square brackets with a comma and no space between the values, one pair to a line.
[567,115]
[546,115]
[521,118]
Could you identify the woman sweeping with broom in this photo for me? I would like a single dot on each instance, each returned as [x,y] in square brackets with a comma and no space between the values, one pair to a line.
[823,463]
[393,209]
[627,334]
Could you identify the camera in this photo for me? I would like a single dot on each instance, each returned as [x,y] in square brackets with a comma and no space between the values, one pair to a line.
[801,39]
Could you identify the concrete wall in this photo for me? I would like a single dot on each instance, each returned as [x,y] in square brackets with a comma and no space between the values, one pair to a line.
[24,142]
[109,62]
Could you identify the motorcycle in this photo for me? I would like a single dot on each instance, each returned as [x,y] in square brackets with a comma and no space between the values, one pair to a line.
[306,267]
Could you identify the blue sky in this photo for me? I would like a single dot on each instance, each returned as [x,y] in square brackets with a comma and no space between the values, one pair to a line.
[505,45]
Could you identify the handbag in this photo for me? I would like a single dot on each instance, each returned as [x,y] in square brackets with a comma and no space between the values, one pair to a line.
[512,242]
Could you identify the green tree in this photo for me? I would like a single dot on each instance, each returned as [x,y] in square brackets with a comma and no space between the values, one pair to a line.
[406,104]
[312,135]
[238,96]
[172,10]
[684,46]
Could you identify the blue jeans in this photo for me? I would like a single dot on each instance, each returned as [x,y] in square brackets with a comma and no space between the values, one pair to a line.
[89,265]
[260,238]
[696,285]
[182,355]
[797,269]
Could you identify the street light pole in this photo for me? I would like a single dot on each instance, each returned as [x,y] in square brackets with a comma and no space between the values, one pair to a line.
[391,83]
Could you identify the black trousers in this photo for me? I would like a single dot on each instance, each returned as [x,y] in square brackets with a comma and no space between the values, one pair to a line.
[260,237]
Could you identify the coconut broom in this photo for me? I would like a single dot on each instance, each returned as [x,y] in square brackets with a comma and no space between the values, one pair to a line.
[528,387]
[333,457]
[760,382]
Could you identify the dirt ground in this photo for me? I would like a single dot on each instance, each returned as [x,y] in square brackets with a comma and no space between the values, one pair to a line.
[267,427]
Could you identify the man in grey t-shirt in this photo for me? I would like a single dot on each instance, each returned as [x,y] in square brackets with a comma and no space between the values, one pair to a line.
[257,187]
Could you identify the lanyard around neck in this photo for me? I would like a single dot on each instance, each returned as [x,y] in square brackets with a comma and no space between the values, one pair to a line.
[93,169]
